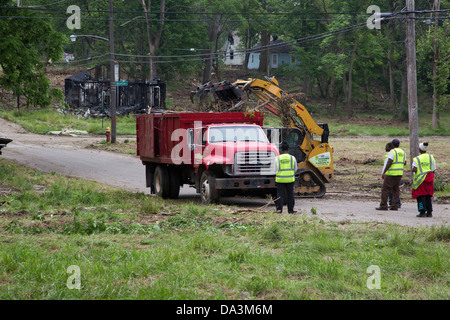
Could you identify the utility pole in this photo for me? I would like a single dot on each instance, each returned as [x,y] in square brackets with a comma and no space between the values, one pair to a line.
[412,81]
[18,97]
[113,73]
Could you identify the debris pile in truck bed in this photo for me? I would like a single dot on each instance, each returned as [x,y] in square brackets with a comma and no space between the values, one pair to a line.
[285,111]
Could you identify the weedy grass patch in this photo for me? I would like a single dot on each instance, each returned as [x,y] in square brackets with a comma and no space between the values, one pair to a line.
[45,120]
[134,246]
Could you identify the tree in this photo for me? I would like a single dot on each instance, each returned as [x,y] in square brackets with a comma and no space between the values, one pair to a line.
[248,31]
[154,38]
[28,45]
[434,64]
[217,14]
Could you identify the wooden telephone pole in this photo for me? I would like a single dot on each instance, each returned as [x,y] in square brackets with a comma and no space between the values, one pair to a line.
[113,79]
[412,81]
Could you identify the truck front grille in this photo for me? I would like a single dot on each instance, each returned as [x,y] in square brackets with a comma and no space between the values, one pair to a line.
[254,163]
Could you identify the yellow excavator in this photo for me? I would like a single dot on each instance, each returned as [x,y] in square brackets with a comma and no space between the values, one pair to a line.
[314,157]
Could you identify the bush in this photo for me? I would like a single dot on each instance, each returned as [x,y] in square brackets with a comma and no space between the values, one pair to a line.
[439,183]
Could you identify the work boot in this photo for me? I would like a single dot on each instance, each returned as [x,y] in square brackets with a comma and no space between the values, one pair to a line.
[421,214]
[382,208]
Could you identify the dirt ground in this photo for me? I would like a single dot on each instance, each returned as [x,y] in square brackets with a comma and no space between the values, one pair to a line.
[352,196]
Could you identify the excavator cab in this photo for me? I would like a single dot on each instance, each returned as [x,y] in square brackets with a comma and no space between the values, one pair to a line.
[293,136]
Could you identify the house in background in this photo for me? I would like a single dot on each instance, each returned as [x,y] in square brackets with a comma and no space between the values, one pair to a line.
[280,54]
[233,51]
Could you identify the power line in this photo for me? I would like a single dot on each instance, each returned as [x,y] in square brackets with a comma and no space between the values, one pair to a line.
[181,20]
[185,13]
[209,56]
[362,17]
[215,13]
[44,5]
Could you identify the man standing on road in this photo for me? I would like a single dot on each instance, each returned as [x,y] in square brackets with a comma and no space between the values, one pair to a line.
[392,174]
[423,167]
[286,166]
[388,148]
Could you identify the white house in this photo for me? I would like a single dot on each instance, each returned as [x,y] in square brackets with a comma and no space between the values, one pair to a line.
[280,53]
[233,51]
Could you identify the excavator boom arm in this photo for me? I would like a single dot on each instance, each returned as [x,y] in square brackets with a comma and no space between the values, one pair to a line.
[315,160]
[268,92]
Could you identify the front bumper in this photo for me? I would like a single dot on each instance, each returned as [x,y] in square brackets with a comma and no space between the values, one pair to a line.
[245,183]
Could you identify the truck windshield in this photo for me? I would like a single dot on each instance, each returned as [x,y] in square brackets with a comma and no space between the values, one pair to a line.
[237,134]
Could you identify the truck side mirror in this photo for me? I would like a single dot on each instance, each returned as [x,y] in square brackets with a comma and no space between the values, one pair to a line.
[190,139]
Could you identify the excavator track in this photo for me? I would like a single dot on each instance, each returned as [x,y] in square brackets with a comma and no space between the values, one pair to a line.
[309,185]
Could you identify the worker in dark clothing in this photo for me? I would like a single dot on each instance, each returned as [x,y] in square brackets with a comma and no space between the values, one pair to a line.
[286,166]
[423,167]
[392,175]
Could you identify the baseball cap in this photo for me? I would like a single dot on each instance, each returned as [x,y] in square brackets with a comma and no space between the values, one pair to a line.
[423,146]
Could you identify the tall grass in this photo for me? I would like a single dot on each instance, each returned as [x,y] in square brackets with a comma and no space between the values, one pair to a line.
[133,246]
[46,120]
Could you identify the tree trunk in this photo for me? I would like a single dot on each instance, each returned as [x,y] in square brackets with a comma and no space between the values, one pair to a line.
[334,97]
[216,66]
[248,43]
[350,111]
[434,118]
[391,83]
[264,56]
[153,43]
[213,30]
[18,103]
[404,94]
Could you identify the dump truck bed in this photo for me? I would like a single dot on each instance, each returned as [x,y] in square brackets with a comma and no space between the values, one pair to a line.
[154,131]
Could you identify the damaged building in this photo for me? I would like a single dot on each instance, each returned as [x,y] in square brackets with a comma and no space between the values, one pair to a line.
[88,92]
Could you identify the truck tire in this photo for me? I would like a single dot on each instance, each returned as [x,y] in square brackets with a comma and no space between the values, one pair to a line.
[174,185]
[208,192]
[161,182]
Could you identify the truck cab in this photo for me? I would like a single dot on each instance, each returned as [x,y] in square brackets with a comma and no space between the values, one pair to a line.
[235,159]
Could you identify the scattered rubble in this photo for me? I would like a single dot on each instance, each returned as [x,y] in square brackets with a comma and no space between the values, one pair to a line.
[72,133]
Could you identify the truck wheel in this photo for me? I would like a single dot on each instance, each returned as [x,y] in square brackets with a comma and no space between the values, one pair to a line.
[161,181]
[208,192]
[174,185]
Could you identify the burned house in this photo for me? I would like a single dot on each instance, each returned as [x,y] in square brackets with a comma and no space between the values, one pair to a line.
[89,91]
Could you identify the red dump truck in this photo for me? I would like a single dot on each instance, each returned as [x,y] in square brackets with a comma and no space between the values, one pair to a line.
[220,154]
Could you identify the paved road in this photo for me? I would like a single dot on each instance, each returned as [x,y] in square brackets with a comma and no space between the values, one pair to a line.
[117,170]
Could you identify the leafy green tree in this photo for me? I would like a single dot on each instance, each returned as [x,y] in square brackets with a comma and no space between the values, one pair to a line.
[27,46]
[434,62]
[248,30]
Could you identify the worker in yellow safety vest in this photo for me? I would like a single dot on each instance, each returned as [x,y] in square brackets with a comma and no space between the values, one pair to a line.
[388,148]
[286,167]
[423,167]
[392,175]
